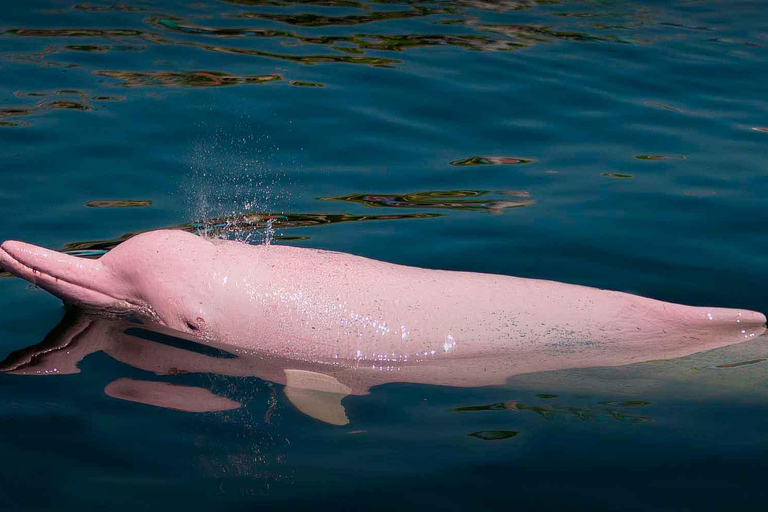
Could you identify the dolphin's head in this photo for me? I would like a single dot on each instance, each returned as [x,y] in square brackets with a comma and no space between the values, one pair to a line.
[153,274]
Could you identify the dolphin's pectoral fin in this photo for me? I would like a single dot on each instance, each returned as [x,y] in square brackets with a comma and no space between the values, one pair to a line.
[169,396]
[317,395]
[320,405]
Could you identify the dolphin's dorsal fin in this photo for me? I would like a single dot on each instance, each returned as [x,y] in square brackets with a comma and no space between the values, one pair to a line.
[317,395]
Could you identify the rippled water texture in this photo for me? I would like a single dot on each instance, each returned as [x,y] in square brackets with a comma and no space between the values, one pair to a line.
[618,145]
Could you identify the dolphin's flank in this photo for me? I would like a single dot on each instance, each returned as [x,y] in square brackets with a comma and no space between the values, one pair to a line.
[342,310]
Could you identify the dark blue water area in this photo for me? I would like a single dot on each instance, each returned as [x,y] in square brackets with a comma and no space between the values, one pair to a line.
[619,145]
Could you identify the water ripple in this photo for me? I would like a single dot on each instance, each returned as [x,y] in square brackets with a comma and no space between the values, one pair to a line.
[318,20]
[492,160]
[185,79]
[117,204]
[441,199]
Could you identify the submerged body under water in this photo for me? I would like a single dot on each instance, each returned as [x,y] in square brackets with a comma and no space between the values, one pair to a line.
[614,145]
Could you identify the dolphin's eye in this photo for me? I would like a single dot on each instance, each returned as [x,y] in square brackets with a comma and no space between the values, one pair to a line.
[191,326]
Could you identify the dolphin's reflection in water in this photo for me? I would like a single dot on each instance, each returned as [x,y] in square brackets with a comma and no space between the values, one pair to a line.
[163,351]
[315,389]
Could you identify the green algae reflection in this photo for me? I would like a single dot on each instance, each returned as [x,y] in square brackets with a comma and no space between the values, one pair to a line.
[298,83]
[12,124]
[626,403]
[493,435]
[108,8]
[319,20]
[492,160]
[439,199]
[72,32]
[283,3]
[660,157]
[185,79]
[48,101]
[118,204]
[612,410]
[738,364]
[223,227]
[39,108]
[483,37]
[358,42]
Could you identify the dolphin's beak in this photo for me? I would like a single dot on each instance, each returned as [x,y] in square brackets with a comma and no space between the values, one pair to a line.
[72,279]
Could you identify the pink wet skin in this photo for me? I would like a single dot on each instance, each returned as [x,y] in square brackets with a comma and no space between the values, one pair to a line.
[327,307]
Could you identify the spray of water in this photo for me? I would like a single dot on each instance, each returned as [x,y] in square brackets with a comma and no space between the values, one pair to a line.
[233,174]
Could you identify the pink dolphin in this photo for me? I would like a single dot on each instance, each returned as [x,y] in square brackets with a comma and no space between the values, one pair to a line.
[349,312]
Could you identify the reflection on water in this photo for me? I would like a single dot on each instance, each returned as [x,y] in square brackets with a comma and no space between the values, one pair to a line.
[242,226]
[739,364]
[44,106]
[299,83]
[627,403]
[90,48]
[315,389]
[103,99]
[237,227]
[169,358]
[258,418]
[493,435]
[319,3]
[461,25]
[663,106]
[88,7]
[74,100]
[318,20]
[169,396]
[10,124]
[117,204]
[492,160]
[72,32]
[660,157]
[186,79]
[443,199]
[612,410]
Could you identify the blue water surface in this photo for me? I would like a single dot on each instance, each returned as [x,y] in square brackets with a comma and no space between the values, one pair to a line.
[620,145]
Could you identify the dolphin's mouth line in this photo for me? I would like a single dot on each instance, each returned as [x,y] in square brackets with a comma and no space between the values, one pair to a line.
[36,273]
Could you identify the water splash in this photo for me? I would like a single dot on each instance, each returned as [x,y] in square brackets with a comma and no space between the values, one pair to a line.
[231,176]
[269,232]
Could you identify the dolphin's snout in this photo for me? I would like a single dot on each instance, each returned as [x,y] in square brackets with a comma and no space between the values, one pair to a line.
[31,262]
[752,318]
[72,279]
[5,257]
[754,323]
